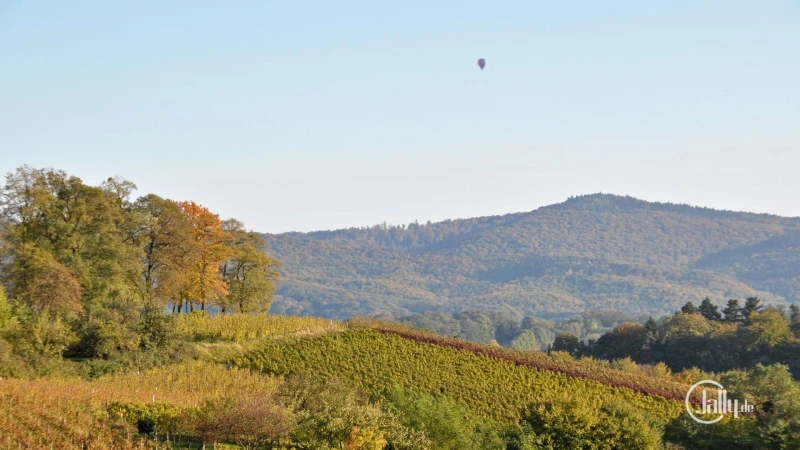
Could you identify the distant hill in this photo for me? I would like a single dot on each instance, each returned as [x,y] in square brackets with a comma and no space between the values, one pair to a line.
[594,251]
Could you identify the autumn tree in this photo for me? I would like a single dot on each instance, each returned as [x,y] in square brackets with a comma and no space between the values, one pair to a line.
[167,240]
[251,421]
[765,329]
[59,232]
[250,273]
[204,282]
[163,233]
[90,271]
[48,302]
[45,285]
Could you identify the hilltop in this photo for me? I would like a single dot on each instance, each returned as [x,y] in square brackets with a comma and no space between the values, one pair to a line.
[594,251]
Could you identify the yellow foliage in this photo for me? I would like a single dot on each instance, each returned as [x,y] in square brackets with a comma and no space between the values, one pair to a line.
[243,328]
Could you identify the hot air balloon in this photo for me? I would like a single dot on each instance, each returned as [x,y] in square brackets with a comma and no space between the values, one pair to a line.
[481,63]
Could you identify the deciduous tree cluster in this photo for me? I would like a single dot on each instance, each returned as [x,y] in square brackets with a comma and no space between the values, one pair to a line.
[740,336]
[91,271]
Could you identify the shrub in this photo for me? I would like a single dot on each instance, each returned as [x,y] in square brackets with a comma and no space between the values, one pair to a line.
[613,425]
[146,425]
[248,420]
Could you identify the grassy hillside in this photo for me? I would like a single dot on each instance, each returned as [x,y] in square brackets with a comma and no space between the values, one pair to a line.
[307,383]
[492,387]
[596,251]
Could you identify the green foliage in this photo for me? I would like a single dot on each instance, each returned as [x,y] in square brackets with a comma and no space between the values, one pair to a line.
[625,365]
[91,271]
[526,340]
[794,317]
[251,421]
[686,340]
[776,424]
[335,415]
[448,425]
[751,305]
[569,343]
[733,311]
[733,434]
[35,333]
[489,388]
[5,312]
[627,340]
[579,423]
[777,398]
[13,365]
[689,308]
[765,330]
[531,333]
[709,310]
[251,274]
[242,328]
[476,326]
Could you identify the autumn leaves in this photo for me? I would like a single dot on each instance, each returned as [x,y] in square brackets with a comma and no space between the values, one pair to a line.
[222,264]
[91,271]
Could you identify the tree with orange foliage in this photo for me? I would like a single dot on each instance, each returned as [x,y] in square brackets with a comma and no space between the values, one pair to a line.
[204,282]
[166,237]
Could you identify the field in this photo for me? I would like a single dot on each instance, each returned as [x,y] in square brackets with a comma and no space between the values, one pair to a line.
[585,368]
[244,328]
[492,388]
[76,413]
[497,387]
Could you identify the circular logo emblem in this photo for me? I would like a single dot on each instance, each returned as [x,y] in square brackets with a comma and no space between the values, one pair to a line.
[689,405]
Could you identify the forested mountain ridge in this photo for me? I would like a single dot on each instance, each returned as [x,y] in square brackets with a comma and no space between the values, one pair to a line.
[594,251]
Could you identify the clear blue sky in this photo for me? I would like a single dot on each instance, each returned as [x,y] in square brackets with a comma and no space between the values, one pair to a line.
[325,114]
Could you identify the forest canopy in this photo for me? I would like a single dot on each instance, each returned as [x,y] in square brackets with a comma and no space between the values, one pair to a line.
[596,251]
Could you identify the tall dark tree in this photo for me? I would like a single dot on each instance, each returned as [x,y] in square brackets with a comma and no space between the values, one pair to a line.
[628,339]
[709,310]
[164,234]
[733,311]
[751,305]
[652,329]
[689,308]
[794,318]
[567,342]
